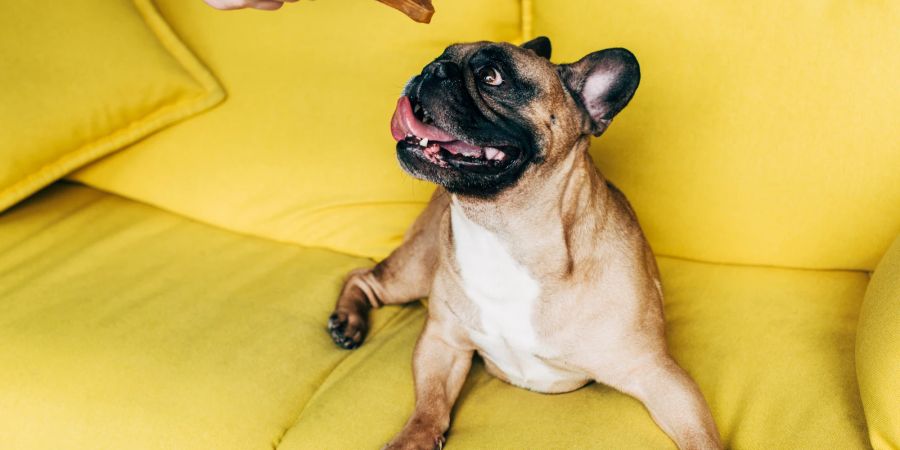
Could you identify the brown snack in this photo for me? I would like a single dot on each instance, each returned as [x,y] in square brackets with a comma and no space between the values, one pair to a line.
[418,10]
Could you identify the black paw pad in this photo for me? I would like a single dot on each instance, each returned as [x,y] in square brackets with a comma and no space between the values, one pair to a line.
[343,335]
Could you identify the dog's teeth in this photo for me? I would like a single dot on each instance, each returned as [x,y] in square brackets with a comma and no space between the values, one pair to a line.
[493,154]
[424,142]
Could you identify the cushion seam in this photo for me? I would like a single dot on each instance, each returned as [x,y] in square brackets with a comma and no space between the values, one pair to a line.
[526,20]
[759,266]
[176,47]
[258,235]
[277,441]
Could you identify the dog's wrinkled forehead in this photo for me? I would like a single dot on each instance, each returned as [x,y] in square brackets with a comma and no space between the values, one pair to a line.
[526,70]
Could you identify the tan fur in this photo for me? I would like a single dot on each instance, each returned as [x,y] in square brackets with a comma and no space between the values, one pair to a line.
[600,305]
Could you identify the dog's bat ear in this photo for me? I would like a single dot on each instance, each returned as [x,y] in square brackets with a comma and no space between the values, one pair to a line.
[540,45]
[603,82]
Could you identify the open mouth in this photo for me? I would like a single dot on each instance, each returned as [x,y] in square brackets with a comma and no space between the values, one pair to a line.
[413,130]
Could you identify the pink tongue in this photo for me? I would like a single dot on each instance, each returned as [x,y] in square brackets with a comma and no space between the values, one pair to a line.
[462,147]
[404,122]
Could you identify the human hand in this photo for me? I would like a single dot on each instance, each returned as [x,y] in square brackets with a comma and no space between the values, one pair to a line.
[238,4]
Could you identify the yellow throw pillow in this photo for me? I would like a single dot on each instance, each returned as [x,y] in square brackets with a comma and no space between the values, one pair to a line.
[79,80]
[878,352]
[302,150]
[762,132]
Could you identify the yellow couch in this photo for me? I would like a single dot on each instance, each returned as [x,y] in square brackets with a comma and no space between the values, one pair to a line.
[174,294]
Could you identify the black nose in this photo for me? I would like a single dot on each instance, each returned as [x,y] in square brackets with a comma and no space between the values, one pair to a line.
[443,69]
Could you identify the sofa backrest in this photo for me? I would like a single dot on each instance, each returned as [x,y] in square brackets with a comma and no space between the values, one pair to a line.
[762,133]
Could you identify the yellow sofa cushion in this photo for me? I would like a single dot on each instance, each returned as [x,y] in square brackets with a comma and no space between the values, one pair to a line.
[301,151]
[762,132]
[83,79]
[125,327]
[878,352]
[771,349]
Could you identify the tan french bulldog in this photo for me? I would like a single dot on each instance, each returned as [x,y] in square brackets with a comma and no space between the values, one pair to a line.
[528,255]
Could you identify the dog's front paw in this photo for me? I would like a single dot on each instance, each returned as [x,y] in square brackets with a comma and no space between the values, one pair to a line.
[347,329]
[417,441]
[349,322]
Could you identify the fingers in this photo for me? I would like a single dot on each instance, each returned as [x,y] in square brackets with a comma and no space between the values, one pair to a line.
[267,5]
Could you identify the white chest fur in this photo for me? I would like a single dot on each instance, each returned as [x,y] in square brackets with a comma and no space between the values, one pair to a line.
[506,295]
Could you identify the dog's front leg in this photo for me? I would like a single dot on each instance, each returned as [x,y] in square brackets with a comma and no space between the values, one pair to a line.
[671,396]
[440,364]
[404,276]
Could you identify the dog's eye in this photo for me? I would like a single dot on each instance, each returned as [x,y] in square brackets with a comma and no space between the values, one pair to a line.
[489,75]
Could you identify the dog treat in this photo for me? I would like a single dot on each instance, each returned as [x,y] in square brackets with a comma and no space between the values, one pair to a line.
[418,10]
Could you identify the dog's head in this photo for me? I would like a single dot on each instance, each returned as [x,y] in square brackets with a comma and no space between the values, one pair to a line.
[482,115]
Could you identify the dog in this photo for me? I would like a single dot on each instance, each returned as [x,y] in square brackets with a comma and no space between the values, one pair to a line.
[528,255]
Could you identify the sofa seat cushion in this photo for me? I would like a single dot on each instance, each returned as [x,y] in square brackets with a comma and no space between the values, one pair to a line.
[83,79]
[126,327]
[772,351]
[122,326]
